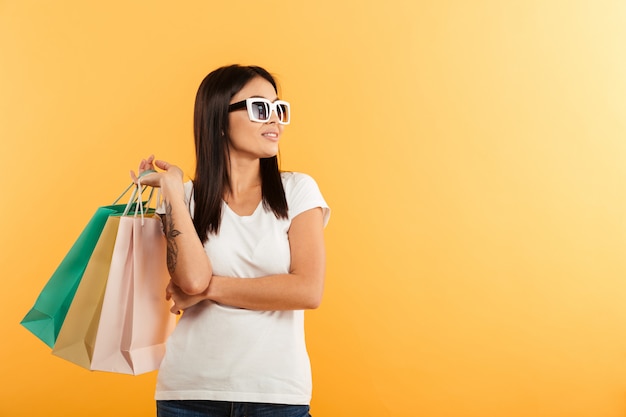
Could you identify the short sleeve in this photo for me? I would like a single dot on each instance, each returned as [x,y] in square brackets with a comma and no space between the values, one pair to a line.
[303,194]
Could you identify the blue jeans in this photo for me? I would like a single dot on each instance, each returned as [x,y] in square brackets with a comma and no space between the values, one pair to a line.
[199,408]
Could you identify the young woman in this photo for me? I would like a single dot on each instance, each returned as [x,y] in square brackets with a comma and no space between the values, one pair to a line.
[246,258]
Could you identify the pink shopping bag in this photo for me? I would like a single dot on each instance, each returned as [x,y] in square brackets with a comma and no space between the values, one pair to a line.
[135,320]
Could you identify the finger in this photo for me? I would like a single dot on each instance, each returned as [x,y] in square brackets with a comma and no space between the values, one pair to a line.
[146,164]
[145,180]
[151,179]
[164,165]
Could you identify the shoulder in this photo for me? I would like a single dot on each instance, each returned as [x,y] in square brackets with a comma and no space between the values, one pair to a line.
[303,193]
[293,180]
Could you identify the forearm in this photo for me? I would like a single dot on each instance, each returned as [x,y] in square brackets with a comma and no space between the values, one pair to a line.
[300,289]
[187,262]
[272,292]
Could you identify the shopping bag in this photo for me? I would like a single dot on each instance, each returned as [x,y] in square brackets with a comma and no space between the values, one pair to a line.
[135,320]
[78,333]
[46,317]
[146,330]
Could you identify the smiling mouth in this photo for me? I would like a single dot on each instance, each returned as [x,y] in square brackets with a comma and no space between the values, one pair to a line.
[271,135]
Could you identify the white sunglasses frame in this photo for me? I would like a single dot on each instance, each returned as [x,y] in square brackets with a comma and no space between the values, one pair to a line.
[247,104]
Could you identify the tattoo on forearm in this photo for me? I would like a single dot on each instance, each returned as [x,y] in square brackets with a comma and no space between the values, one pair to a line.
[170,235]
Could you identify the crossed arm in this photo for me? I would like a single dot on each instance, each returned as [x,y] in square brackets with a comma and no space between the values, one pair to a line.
[300,289]
[191,272]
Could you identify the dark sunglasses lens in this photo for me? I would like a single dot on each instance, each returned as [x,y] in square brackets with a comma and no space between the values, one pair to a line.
[283,112]
[261,110]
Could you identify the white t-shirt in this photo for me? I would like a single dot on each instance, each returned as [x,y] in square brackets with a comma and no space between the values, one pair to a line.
[225,353]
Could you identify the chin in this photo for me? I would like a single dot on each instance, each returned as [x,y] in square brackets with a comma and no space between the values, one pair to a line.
[270,153]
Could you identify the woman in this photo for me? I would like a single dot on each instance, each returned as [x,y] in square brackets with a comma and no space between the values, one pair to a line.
[246,257]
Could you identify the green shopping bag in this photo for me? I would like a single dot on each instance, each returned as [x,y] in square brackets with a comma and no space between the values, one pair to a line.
[76,339]
[46,317]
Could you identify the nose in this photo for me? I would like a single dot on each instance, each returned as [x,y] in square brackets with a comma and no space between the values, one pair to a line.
[273,116]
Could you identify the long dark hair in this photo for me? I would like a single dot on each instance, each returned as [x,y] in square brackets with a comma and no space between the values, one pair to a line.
[212,154]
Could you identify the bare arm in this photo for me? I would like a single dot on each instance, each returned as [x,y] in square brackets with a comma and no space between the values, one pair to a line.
[300,289]
[187,262]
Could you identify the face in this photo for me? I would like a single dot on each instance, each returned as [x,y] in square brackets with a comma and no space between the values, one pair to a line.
[250,139]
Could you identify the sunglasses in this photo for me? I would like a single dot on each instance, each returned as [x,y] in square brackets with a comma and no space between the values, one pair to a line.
[260,109]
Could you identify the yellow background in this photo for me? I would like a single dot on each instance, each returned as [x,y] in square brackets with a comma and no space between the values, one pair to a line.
[473,153]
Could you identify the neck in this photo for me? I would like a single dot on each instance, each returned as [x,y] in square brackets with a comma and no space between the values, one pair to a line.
[244,176]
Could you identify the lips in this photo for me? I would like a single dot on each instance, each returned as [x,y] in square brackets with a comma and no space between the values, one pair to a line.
[271,135]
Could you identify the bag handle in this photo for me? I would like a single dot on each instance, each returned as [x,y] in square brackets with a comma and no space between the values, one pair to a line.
[140,191]
[124,193]
[136,197]
[131,185]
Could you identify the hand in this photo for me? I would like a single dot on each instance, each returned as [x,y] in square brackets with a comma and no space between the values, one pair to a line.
[170,179]
[145,165]
[181,300]
[155,179]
